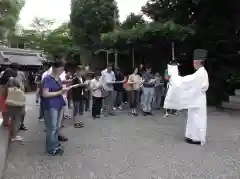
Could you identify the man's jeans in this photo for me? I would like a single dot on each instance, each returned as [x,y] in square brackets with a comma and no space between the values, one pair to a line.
[52,120]
[65,108]
[78,110]
[87,100]
[108,102]
[147,99]
[41,112]
[158,91]
[118,98]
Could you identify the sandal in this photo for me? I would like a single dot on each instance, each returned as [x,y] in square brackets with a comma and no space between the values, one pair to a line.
[79,125]
[67,117]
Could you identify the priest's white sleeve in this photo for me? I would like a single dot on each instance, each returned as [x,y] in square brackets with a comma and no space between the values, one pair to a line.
[184,90]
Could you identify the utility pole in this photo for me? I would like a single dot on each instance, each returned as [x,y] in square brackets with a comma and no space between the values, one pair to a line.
[173,51]
[114,29]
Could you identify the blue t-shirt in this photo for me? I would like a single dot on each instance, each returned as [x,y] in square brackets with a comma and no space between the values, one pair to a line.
[53,85]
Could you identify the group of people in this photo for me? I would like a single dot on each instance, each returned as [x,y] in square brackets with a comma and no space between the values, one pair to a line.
[188,92]
[105,88]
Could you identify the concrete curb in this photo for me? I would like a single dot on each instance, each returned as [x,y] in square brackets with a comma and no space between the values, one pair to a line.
[4,144]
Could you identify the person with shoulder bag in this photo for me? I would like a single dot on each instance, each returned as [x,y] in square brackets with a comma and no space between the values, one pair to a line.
[53,106]
[15,102]
[6,75]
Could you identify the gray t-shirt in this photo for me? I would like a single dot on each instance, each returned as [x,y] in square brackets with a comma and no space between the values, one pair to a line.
[21,79]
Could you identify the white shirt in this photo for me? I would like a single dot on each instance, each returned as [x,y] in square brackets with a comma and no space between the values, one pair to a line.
[158,81]
[95,84]
[46,73]
[63,78]
[107,77]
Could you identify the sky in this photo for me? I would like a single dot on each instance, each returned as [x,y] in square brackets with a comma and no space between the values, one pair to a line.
[59,10]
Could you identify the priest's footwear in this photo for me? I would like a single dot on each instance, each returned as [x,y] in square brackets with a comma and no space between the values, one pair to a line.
[190,141]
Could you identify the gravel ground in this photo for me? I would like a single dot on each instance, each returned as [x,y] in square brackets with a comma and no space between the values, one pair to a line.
[125,147]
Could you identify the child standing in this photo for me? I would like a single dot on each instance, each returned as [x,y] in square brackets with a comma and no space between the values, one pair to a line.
[97,90]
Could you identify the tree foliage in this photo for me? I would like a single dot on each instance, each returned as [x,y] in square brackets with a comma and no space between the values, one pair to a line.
[59,41]
[145,33]
[42,37]
[90,18]
[9,14]
[217,28]
[213,20]
[132,21]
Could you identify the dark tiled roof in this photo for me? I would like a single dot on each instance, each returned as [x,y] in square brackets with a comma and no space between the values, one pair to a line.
[22,58]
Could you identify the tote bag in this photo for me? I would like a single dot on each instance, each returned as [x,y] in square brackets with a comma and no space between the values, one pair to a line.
[15,97]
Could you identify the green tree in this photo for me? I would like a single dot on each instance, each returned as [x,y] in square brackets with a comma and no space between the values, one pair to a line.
[34,36]
[90,18]
[9,14]
[216,24]
[59,41]
[132,21]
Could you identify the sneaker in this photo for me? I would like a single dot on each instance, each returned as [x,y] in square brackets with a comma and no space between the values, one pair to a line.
[23,127]
[41,120]
[17,138]
[96,117]
[62,138]
[145,113]
[150,114]
[175,114]
[114,108]
[67,117]
[120,108]
[133,114]
[58,152]
[166,115]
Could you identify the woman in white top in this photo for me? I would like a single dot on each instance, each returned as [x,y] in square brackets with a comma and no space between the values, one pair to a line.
[97,90]
[135,82]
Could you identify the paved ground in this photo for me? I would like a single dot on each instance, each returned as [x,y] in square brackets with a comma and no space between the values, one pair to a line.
[125,147]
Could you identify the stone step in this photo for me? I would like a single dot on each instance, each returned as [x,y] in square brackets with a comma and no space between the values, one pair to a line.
[230,105]
[234,99]
[237,92]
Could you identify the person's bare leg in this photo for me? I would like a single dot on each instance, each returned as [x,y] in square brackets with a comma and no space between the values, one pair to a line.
[15,122]
[5,117]
[22,126]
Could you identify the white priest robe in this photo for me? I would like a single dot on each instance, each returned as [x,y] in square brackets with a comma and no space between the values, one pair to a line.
[189,92]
